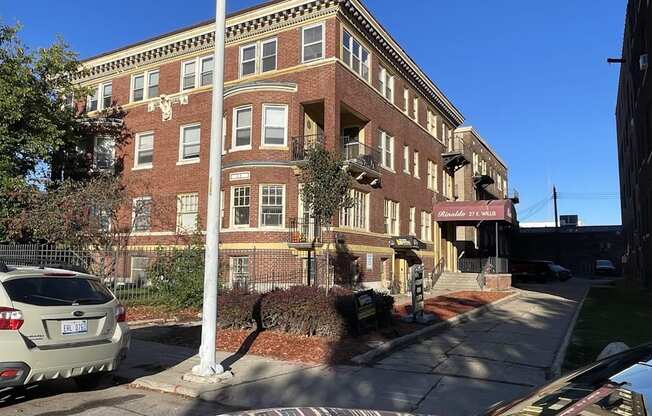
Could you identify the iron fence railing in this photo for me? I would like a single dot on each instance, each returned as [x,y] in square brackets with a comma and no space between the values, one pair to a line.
[354,151]
[138,275]
[306,230]
[478,264]
[301,144]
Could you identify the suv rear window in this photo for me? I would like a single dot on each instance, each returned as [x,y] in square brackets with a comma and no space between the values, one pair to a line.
[56,291]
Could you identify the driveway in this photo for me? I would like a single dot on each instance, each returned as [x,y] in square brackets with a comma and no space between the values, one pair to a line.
[498,356]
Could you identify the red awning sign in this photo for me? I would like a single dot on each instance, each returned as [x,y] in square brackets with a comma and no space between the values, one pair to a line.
[474,211]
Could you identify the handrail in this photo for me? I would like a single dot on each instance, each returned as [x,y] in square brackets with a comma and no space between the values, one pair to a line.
[300,145]
[437,272]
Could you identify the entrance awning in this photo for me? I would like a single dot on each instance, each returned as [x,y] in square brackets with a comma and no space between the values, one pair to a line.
[408,242]
[475,211]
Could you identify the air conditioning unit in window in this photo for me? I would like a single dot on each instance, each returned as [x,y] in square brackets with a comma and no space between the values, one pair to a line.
[643,62]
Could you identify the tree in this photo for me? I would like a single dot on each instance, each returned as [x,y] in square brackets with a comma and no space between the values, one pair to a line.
[325,187]
[44,137]
[96,214]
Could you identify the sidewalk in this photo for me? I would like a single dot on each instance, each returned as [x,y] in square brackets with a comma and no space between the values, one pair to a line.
[493,357]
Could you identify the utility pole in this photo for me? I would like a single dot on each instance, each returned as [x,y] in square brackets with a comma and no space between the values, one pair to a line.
[208,367]
[554,198]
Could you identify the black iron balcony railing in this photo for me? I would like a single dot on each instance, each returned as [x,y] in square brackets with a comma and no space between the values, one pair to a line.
[301,144]
[305,230]
[360,153]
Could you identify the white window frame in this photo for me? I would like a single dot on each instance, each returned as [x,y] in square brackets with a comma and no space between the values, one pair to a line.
[200,65]
[183,68]
[386,80]
[406,100]
[406,159]
[137,150]
[233,260]
[262,48]
[112,152]
[392,217]
[197,75]
[323,42]
[412,229]
[383,135]
[146,85]
[432,175]
[415,161]
[99,94]
[348,49]
[180,229]
[415,108]
[353,216]
[426,226]
[232,208]
[260,206]
[234,130]
[133,214]
[264,125]
[131,268]
[181,160]
[241,60]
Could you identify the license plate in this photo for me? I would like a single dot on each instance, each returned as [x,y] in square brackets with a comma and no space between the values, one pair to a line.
[74,327]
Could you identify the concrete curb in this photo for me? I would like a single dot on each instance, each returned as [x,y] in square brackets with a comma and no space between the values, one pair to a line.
[389,346]
[180,389]
[160,321]
[560,355]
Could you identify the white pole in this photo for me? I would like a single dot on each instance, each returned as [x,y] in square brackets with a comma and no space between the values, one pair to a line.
[208,365]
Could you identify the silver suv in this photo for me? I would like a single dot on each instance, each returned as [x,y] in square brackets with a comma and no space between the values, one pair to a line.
[58,324]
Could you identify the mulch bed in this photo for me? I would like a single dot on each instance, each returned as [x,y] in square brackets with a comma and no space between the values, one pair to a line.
[446,306]
[320,350]
[151,312]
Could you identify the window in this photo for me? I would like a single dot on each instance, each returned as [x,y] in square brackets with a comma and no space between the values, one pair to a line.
[57,291]
[476,163]
[312,43]
[239,271]
[386,84]
[274,125]
[139,266]
[107,95]
[242,127]
[355,56]
[138,88]
[189,145]
[413,219]
[387,150]
[187,212]
[92,99]
[416,164]
[104,153]
[448,185]
[144,153]
[103,218]
[268,58]
[144,86]
[391,217]
[415,108]
[206,71]
[432,123]
[188,75]
[432,175]
[140,214]
[248,60]
[356,215]
[240,197]
[406,159]
[406,100]
[271,205]
[426,231]
[152,84]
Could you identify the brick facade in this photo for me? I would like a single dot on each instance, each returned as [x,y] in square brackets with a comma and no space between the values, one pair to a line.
[326,92]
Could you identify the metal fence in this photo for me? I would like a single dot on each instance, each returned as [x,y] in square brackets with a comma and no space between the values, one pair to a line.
[135,275]
[488,265]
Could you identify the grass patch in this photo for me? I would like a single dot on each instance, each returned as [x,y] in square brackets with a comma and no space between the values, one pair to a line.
[609,315]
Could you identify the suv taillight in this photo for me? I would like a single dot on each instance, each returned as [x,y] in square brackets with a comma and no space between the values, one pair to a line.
[11,319]
[120,313]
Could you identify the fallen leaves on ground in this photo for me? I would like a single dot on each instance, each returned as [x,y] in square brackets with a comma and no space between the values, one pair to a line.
[447,306]
[153,312]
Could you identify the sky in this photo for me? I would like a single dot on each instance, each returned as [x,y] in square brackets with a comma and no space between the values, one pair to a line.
[531,77]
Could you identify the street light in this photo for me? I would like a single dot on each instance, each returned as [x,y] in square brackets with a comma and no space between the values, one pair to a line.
[208,367]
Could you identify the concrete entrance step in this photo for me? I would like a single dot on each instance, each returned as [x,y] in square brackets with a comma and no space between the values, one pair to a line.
[457,281]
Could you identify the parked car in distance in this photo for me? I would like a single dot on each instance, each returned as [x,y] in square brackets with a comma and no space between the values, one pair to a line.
[539,270]
[605,268]
[56,323]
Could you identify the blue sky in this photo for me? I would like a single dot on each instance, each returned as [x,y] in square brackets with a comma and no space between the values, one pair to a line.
[530,76]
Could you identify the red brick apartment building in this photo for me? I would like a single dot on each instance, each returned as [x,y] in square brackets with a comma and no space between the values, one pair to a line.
[297,73]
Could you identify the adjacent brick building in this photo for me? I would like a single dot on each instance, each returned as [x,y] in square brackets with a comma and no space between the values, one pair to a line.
[297,73]
[634,127]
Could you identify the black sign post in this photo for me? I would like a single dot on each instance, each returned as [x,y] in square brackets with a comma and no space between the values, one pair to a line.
[365,308]
[417,291]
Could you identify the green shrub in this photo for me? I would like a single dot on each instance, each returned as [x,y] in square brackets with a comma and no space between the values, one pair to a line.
[301,310]
[178,277]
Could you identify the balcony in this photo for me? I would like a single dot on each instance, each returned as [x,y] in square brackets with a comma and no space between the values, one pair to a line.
[304,234]
[454,158]
[482,181]
[362,161]
[301,145]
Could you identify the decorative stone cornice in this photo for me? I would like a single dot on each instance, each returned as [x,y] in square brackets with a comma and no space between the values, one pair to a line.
[290,87]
